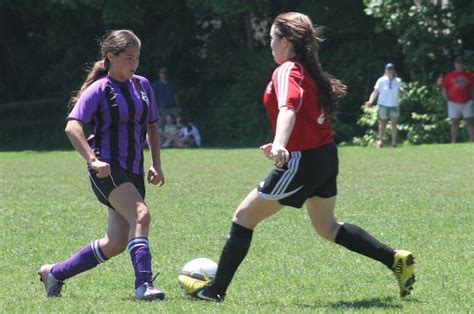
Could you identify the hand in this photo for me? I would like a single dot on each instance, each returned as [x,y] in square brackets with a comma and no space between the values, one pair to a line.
[368,104]
[266,150]
[280,154]
[102,169]
[156,176]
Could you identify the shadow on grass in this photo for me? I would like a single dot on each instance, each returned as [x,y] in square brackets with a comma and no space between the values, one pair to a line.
[382,303]
[388,303]
[373,303]
[278,305]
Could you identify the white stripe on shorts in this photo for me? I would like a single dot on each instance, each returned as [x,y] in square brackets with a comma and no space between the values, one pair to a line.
[290,173]
[93,182]
[113,181]
[271,197]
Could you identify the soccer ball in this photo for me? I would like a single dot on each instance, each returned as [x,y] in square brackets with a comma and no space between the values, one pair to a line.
[201,268]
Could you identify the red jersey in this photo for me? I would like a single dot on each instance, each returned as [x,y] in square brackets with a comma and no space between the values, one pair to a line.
[459,85]
[292,86]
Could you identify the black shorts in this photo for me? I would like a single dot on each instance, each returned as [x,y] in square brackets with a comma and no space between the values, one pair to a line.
[102,187]
[307,174]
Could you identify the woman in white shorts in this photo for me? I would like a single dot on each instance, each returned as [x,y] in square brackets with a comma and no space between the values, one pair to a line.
[387,90]
[458,91]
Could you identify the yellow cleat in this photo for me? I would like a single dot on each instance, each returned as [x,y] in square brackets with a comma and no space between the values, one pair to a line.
[191,285]
[197,288]
[404,270]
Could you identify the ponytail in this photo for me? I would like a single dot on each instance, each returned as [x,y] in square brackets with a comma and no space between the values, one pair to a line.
[98,70]
[331,90]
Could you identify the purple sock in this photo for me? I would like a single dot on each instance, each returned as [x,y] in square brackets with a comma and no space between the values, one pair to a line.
[88,257]
[141,260]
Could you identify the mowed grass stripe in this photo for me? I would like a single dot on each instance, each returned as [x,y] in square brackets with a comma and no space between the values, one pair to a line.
[417,197]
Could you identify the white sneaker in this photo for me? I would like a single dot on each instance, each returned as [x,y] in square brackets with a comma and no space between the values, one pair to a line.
[51,284]
[148,292]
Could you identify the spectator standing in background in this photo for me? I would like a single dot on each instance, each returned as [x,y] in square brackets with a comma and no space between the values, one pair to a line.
[166,98]
[387,91]
[458,91]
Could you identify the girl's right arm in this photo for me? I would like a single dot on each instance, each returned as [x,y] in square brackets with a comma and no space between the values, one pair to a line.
[75,133]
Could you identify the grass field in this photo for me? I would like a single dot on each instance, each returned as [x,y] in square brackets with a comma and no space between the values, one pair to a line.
[420,198]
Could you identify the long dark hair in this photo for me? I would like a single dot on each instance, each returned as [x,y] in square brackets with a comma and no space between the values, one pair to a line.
[115,42]
[299,30]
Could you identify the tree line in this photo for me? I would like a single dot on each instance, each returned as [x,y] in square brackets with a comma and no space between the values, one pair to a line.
[217,51]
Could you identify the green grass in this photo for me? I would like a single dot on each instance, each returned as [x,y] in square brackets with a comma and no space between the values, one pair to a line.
[420,198]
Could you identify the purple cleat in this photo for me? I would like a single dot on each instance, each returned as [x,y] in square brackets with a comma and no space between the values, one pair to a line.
[51,284]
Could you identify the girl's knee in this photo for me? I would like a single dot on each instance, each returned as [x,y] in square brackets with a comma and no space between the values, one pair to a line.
[114,247]
[328,230]
[242,218]
[238,216]
[143,215]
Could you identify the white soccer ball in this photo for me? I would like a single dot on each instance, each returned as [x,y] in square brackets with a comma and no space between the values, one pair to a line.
[201,268]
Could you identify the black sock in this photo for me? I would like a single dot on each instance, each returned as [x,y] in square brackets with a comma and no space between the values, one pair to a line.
[232,255]
[357,240]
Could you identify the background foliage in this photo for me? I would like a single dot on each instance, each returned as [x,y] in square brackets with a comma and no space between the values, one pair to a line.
[220,64]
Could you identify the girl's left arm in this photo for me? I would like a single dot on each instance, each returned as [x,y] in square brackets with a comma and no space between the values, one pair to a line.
[155,174]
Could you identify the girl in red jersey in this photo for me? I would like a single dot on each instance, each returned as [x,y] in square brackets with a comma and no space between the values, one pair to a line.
[300,100]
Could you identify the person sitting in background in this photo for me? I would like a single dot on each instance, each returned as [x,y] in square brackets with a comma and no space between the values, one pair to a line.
[166,98]
[189,135]
[170,131]
[458,92]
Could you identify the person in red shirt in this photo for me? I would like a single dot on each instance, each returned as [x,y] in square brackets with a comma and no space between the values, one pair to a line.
[458,91]
[300,100]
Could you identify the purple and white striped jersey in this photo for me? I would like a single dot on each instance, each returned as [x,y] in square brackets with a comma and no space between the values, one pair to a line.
[119,113]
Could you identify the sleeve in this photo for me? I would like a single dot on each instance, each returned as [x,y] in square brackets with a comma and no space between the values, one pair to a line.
[87,105]
[287,80]
[153,113]
[377,84]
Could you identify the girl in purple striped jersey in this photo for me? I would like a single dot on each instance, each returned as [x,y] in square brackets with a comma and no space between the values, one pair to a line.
[121,108]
